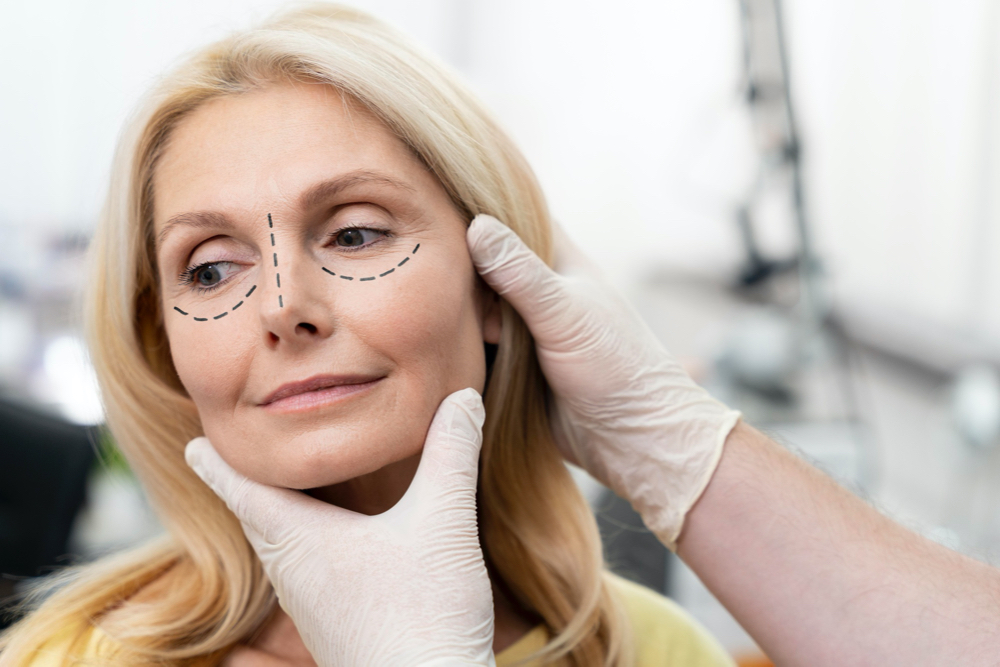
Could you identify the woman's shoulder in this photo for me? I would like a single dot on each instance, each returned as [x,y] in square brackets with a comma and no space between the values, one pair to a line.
[663,633]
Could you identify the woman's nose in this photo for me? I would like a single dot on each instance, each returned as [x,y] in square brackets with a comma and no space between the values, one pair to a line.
[294,304]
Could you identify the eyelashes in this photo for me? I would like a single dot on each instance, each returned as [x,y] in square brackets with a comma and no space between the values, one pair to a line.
[354,233]
[219,272]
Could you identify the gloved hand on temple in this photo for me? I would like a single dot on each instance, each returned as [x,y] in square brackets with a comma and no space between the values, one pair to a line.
[624,409]
[406,587]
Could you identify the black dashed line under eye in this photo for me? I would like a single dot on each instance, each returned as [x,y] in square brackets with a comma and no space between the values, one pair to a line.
[381,275]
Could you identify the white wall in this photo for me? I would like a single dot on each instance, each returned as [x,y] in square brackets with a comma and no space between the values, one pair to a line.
[900,105]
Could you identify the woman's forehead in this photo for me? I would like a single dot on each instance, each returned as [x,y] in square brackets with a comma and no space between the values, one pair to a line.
[270,147]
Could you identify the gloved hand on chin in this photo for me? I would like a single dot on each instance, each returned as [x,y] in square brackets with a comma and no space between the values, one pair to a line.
[405,587]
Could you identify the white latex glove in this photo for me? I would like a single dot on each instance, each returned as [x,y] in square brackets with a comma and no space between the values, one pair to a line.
[624,409]
[406,587]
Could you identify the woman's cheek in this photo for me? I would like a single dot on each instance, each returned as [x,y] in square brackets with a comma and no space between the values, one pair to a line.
[208,358]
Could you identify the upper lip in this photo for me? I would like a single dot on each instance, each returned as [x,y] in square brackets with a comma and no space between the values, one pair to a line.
[315,383]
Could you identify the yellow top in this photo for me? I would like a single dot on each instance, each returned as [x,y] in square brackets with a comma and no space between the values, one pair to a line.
[663,635]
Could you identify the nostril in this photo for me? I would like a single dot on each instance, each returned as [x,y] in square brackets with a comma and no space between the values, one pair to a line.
[311,328]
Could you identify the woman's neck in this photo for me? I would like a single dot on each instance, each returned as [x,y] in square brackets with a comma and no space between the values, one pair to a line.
[374,493]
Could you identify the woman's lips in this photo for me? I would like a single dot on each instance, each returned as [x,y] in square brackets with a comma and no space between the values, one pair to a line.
[316,392]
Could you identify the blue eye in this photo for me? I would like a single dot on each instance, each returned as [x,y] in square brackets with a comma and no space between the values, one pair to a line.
[357,237]
[208,276]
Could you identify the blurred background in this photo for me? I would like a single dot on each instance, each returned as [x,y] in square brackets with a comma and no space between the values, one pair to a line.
[801,198]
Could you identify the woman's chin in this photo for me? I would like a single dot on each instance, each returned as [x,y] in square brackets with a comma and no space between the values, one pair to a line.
[312,460]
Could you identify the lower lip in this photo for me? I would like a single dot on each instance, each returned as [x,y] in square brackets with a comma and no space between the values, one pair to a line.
[311,400]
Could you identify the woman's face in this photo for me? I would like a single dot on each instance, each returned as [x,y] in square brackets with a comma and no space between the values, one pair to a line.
[318,294]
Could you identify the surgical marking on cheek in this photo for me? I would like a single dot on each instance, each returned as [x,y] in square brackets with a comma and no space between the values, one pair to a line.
[381,275]
[220,315]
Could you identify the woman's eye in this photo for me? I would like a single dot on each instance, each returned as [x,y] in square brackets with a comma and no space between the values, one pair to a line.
[209,275]
[357,237]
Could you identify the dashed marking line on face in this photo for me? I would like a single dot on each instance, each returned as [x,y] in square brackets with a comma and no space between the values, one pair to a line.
[277,276]
[381,275]
[220,315]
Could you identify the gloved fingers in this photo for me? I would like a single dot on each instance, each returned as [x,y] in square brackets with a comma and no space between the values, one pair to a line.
[267,510]
[450,459]
[514,271]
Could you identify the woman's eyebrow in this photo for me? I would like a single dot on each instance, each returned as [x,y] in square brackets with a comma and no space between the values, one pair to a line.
[325,190]
[196,219]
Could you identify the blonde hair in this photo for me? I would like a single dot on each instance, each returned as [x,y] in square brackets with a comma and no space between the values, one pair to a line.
[537,530]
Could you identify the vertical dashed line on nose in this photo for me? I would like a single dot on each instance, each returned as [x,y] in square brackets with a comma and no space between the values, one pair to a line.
[277,275]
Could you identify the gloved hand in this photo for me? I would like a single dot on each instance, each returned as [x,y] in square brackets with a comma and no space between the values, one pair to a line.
[406,587]
[624,409]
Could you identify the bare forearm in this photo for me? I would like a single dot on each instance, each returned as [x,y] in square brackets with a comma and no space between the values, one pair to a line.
[820,578]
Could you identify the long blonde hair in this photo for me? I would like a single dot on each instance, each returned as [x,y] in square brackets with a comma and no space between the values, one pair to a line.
[537,531]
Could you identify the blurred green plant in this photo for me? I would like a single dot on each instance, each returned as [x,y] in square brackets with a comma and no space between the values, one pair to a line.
[109,457]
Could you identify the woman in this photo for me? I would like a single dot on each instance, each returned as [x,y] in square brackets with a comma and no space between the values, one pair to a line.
[281,266]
